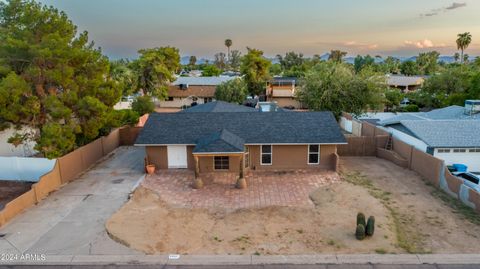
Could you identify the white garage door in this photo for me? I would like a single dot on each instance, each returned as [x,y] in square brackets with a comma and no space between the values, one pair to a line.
[177,156]
[470,159]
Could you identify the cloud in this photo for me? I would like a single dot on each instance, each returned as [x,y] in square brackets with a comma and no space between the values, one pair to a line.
[456,5]
[359,45]
[422,44]
[436,11]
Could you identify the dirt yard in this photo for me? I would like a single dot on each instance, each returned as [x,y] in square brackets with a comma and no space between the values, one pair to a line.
[410,216]
[425,219]
[10,190]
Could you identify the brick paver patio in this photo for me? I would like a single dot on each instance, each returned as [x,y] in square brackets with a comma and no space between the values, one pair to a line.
[265,188]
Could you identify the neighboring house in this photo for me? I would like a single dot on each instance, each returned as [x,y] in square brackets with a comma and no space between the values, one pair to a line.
[190,91]
[238,141]
[451,133]
[282,91]
[220,106]
[405,83]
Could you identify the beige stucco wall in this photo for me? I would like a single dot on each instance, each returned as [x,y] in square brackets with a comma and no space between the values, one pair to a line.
[158,156]
[292,157]
[284,157]
[206,164]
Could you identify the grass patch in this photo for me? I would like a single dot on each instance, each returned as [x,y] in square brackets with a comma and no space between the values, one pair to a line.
[457,206]
[380,251]
[407,237]
[243,239]
[217,239]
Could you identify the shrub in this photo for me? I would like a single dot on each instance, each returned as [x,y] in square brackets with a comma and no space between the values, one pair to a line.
[360,232]
[143,105]
[370,229]
[361,219]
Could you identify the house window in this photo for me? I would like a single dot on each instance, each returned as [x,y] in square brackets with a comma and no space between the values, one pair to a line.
[474,150]
[459,150]
[169,99]
[443,150]
[266,155]
[313,154]
[221,162]
[207,100]
[247,157]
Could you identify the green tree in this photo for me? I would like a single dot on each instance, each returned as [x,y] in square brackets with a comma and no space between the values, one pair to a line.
[393,97]
[451,87]
[391,65]
[337,56]
[211,71]
[361,62]
[156,69]
[233,91]
[124,75]
[456,56]
[335,87]
[275,69]
[427,62]
[463,41]
[255,69]
[56,140]
[409,68]
[235,60]
[293,64]
[52,73]
[143,105]
[220,61]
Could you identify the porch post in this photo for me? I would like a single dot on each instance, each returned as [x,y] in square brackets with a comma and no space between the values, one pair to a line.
[198,183]
[242,166]
[197,168]
[241,182]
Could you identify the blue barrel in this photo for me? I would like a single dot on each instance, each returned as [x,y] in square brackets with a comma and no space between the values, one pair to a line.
[460,167]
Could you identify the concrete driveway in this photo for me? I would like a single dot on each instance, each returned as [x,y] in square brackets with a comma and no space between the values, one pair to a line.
[71,221]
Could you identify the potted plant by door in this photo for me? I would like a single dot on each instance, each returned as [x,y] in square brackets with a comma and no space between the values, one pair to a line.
[150,169]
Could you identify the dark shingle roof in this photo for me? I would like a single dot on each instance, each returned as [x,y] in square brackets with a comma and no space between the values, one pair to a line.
[252,127]
[219,106]
[223,141]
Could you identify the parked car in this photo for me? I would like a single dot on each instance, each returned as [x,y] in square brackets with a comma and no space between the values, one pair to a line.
[469,179]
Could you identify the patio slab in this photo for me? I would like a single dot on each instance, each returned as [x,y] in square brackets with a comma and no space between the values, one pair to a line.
[265,188]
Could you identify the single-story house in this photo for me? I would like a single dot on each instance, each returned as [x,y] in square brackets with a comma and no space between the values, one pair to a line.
[451,133]
[190,91]
[282,91]
[239,141]
[405,83]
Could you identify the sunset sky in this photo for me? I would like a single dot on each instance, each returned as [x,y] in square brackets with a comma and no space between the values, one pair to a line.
[199,27]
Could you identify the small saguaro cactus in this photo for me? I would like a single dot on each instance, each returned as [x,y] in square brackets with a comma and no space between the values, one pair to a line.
[370,229]
[360,232]
[361,219]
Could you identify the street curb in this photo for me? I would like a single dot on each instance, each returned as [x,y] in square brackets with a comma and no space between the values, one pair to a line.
[387,259]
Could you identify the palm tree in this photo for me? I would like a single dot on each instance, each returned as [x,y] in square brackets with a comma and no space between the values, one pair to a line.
[456,56]
[228,44]
[463,41]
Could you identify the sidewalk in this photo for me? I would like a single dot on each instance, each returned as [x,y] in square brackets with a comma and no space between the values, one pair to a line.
[388,259]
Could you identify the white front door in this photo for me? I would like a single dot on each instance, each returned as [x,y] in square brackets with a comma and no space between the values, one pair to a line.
[177,156]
